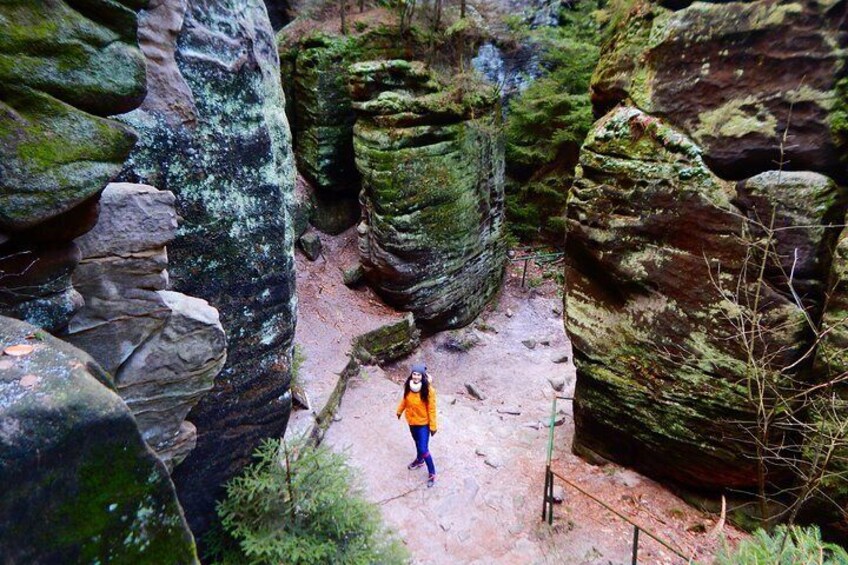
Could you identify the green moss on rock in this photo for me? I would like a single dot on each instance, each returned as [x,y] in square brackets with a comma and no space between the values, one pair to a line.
[431,240]
[81,484]
[656,253]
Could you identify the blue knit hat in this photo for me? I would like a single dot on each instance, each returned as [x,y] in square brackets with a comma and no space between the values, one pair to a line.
[419,368]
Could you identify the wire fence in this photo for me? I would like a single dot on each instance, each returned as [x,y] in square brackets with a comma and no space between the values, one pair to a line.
[548,497]
[539,257]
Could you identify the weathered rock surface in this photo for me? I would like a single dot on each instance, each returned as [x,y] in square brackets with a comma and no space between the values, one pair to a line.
[64,67]
[803,211]
[124,265]
[735,76]
[322,114]
[164,348]
[431,159]
[80,485]
[656,254]
[225,152]
[828,413]
[315,76]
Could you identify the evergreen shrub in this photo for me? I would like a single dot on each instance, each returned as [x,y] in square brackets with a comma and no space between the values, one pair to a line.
[299,504]
[786,545]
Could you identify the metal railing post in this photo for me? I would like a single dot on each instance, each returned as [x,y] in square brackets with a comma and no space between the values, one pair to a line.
[548,499]
[635,545]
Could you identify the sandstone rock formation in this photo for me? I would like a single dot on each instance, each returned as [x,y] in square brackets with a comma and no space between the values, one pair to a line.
[828,411]
[163,348]
[315,74]
[64,67]
[222,146]
[665,255]
[658,369]
[431,160]
[734,76]
[80,485]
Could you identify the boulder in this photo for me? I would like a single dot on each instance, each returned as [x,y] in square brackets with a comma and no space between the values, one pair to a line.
[709,69]
[388,343]
[80,484]
[657,281]
[431,158]
[223,147]
[310,244]
[353,275]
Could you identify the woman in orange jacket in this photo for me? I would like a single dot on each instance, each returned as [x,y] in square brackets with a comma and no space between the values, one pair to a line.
[419,403]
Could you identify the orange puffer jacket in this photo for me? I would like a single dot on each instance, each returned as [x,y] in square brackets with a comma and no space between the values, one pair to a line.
[417,412]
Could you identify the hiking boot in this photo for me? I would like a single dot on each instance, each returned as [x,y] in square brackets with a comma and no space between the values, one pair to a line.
[415,464]
[431,480]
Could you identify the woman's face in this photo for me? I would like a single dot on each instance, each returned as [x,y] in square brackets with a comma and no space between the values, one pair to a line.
[416,378]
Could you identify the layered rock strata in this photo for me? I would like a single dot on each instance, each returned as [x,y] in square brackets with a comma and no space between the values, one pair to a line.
[734,76]
[163,348]
[315,77]
[662,278]
[64,67]
[667,275]
[432,164]
[215,134]
[80,484]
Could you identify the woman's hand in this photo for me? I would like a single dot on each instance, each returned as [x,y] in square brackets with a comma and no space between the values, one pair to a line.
[433,432]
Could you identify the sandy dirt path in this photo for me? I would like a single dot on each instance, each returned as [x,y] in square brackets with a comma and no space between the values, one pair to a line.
[490,453]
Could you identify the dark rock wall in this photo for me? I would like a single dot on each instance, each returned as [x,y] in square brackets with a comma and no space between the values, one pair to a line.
[223,148]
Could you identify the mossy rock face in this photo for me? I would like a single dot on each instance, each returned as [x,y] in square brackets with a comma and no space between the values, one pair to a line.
[431,239]
[832,363]
[81,486]
[323,117]
[63,68]
[656,251]
[232,171]
[735,76]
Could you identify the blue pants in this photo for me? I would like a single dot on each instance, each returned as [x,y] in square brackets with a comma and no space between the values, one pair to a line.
[421,436]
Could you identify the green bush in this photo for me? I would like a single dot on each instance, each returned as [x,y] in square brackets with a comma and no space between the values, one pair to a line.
[784,546]
[297,504]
